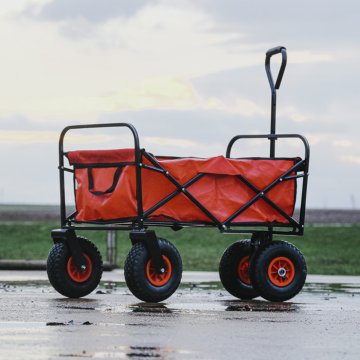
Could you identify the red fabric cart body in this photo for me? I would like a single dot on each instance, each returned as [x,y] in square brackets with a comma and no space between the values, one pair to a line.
[106,188]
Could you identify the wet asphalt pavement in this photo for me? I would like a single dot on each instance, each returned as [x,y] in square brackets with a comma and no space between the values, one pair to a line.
[198,322]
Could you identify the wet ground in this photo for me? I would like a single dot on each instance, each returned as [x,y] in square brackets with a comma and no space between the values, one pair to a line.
[198,322]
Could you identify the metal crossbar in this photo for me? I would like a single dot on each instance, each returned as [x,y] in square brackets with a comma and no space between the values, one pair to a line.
[181,189]
[260,194]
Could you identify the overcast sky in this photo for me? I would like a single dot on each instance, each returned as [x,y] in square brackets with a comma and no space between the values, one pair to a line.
[188,74]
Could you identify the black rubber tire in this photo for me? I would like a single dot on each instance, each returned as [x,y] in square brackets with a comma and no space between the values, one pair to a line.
[135,272]
[228,270]
[58,274]
[259,271]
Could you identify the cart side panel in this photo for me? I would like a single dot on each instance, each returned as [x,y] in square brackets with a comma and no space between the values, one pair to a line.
[106,189]
[95,173]
[115,205]
[220,190]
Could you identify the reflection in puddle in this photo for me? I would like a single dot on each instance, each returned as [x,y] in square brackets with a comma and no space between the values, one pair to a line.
[144,351]
[69,305]
[75,307]
[69,323]
[261,306]
[131,352]
[150,308]
[107,288]
[79,301]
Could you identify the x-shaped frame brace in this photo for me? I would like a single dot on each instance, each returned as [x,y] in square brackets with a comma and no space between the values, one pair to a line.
[260,194]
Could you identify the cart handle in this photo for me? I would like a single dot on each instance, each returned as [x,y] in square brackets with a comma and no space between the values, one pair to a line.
[270,137]
[273,51]
[106,125]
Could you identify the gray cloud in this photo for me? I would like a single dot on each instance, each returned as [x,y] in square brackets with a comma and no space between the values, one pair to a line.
[314,89]
[91,10]
[206,126]
[302,23]
[20,122]
[16,122]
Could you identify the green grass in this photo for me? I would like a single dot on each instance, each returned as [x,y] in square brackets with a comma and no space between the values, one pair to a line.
[331,250]
[328,250]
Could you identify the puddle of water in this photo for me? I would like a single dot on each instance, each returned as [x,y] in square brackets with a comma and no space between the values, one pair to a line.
[189,298]
[28,284]
[210,285]
[205,308]
[69,323]
[332,288]
[260,306]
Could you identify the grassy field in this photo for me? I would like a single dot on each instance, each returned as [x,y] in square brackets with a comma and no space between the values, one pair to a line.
[328,250]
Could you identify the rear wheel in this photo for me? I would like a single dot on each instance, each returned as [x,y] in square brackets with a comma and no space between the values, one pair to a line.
[141,276]
[64,275]
[234,270]
[279,271]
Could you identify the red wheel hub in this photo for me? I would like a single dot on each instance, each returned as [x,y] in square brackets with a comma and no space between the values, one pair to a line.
[243,270]
[281,271]
[75,274]
[155,278]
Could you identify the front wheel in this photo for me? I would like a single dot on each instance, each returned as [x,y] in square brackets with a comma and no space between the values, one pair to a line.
[65,277]
[143,280]
[279,271]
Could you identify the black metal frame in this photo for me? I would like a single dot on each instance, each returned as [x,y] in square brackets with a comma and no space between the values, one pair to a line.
[138,225]
[142,220]
[66,221]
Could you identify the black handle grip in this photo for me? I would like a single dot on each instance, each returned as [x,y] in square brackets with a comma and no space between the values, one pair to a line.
[276,50]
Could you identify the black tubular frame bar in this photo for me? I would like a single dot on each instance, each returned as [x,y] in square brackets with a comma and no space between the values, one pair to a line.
[144,219]
[302,165]
[273,87]
[66,221]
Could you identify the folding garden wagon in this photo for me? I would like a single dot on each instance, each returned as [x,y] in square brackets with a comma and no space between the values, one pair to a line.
[133,190]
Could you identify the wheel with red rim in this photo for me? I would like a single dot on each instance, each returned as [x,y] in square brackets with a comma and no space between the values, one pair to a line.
[234,270]
[243,270]
[66,278]
[79,276]
[279,271]
[154,277]
[142,278]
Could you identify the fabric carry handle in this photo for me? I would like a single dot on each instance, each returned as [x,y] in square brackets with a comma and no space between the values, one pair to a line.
[111,188]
